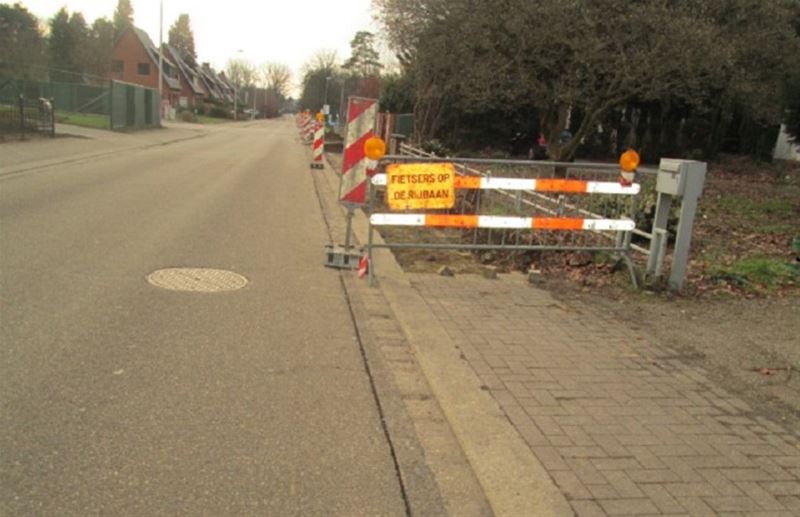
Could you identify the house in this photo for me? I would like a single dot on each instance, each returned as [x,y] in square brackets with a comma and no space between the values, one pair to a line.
[134,59]
[226,87]
[192,92]
[207,78]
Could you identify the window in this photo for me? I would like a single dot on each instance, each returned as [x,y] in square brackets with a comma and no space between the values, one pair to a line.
[117,66]
[143,68]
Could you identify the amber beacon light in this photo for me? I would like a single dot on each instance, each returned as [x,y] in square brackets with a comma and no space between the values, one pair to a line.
[628,162]
[374,148]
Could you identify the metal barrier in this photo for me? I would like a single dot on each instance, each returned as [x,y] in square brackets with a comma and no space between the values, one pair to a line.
[27,116]
[511,205]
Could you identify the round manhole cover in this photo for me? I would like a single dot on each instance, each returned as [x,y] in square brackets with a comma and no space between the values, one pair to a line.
[200,280]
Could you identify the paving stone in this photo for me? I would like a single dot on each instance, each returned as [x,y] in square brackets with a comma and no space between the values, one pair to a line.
[619,434]
[587,509]
[628,506]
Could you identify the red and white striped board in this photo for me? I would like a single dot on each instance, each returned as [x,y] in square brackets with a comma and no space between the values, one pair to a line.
[308,130]
[318,147]
[361,115]
[501,222]
[540,185]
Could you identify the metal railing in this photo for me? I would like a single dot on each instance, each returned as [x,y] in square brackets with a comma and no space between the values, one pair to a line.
[498,206]
[646,177]
[27,116]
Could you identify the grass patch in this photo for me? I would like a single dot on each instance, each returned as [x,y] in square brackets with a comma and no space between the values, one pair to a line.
[759,271]
[748,207]
[90,120]
[778,228]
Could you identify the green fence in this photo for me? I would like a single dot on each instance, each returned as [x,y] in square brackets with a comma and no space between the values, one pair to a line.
[133,106]
[114,105]
[69,97]
[404,124]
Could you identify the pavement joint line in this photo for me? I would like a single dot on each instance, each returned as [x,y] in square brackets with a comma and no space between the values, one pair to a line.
[514,481]
[438,476]
[367,367]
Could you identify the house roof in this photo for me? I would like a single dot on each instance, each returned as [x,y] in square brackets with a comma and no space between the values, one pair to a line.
[207,76]
[183,67]
[152,52]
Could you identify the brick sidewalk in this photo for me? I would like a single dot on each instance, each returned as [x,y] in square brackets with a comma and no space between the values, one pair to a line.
[622,426]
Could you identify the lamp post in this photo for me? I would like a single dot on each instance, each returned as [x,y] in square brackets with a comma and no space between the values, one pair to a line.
[160,61]
[236,95]
[255,95]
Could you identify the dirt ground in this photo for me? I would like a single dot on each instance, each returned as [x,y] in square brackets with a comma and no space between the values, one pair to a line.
[739,315]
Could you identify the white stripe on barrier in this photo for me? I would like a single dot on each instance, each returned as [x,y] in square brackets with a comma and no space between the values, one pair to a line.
[511,223]
[397,219]
[622,225]
[508,183]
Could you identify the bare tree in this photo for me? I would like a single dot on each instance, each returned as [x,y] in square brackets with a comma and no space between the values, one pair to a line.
[322,60]
[241,72]
[277,77]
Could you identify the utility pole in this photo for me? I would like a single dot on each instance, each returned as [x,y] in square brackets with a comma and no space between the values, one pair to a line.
[160,61]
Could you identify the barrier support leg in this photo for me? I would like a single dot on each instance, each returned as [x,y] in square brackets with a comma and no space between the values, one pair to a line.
[631,269]
[370,263]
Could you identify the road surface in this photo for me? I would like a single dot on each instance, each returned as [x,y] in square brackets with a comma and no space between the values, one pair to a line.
[122,398]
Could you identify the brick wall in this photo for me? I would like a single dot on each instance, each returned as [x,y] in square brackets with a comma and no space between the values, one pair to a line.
[131,52]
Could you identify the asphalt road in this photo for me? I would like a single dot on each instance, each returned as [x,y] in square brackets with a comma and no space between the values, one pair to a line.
[121,398]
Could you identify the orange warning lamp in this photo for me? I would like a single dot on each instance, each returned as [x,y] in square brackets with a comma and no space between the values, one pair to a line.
[374,148]
[320,117]
[628,162]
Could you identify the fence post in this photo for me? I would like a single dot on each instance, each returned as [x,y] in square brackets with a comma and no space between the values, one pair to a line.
[52,117]
[22,115]
[111,105]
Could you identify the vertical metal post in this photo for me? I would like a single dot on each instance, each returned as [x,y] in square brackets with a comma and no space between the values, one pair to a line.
[160,59]
[22,115]
[695,179]
[52,117]
[111,105]
[349,230]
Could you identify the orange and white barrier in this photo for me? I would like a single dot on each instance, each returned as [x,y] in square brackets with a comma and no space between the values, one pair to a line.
[318,147]
[500,222]
[536,185]
[361,115]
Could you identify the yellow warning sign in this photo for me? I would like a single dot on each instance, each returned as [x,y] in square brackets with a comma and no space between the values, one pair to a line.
[420,186]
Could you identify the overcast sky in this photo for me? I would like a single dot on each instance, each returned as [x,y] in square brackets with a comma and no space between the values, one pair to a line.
[287,31]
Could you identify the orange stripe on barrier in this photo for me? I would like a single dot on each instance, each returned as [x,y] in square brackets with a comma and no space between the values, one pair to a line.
[467,182]
[557,223]
[451,221]
[550,185]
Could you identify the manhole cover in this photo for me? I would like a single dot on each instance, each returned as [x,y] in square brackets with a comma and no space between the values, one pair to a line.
[196,279]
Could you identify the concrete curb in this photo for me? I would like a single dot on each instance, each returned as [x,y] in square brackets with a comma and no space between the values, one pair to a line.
[514,481]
